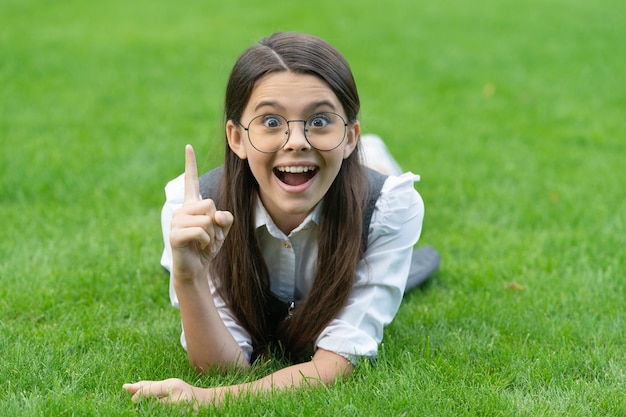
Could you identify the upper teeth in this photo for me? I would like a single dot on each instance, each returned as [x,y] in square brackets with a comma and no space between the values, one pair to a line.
[296,169]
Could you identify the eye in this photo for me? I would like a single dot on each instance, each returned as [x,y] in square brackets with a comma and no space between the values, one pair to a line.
[272,121]
[319,121]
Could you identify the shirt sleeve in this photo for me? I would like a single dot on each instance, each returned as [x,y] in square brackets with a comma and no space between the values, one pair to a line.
[381,277]
[174,196]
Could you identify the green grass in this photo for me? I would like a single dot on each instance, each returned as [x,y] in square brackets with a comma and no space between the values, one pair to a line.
[512,112]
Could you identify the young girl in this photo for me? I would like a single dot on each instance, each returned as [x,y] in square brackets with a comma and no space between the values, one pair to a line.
[275,258]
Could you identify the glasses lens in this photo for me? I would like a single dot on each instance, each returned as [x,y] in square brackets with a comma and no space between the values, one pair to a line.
[325,131]
[268,132]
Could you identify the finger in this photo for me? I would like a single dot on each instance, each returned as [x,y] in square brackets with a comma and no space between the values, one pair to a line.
[190,236]
[137,390]
[194,221]
[131,388]
[147,389]
[223,218]
[192,186]
[223,222]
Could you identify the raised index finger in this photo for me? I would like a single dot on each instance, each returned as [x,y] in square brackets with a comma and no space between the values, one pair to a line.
[192,186]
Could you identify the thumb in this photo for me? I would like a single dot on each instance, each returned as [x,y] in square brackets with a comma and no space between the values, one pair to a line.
[224,218]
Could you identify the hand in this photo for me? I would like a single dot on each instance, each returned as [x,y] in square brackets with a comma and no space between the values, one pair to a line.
[168,391]
[198,228]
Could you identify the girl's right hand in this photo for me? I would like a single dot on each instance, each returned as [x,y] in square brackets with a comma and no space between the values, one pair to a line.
[198,228]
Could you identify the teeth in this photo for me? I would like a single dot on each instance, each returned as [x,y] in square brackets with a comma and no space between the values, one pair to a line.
[297,169]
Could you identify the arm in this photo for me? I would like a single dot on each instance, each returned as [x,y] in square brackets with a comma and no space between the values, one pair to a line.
[325,368]
[196,236]
[209,342]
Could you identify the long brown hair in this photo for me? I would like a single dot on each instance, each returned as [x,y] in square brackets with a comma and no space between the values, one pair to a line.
[239,270]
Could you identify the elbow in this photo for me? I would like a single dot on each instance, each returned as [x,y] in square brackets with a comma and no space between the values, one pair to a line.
[346,370]
[331,366]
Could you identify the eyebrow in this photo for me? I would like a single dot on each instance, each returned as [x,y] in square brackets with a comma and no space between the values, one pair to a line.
[310,108]
[267,103]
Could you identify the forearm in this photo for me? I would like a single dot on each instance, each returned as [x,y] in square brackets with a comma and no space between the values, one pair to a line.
[209,343]
[324,369]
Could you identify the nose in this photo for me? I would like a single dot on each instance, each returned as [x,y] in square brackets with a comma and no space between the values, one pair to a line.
[297,140]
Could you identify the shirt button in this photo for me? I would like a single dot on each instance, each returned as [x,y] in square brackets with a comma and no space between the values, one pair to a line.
[286,244]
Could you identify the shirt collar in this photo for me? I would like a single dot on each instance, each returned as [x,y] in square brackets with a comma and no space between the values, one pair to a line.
[263,218]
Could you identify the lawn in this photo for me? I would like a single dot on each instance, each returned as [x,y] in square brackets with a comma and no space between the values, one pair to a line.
[512,112]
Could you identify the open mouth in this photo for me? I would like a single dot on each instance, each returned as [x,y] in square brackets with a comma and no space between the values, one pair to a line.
[295,175]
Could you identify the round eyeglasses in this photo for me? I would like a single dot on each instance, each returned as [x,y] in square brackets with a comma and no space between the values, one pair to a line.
[269,133]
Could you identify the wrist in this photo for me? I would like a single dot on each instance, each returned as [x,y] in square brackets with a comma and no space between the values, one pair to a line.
[190,279]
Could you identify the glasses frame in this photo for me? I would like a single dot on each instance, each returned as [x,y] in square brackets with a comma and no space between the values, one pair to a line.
[304,130]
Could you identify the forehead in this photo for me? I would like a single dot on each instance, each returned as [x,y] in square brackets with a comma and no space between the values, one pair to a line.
[292,92]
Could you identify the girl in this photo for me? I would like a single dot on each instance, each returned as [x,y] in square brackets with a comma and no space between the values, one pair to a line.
[281,262]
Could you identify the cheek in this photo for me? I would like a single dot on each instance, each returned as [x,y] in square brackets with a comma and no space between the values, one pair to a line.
[260,167]
[333,164]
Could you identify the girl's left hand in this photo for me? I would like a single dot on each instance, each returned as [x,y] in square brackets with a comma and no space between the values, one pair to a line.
[169,391]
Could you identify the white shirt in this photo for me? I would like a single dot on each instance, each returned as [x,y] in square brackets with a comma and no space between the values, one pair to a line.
[381,277]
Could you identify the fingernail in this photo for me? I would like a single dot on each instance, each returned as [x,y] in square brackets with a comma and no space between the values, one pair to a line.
[219,234]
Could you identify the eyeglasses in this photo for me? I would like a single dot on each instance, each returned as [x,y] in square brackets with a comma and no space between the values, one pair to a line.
[268,133]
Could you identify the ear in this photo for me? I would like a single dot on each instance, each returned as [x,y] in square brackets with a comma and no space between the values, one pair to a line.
[236,139]
[352,138]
